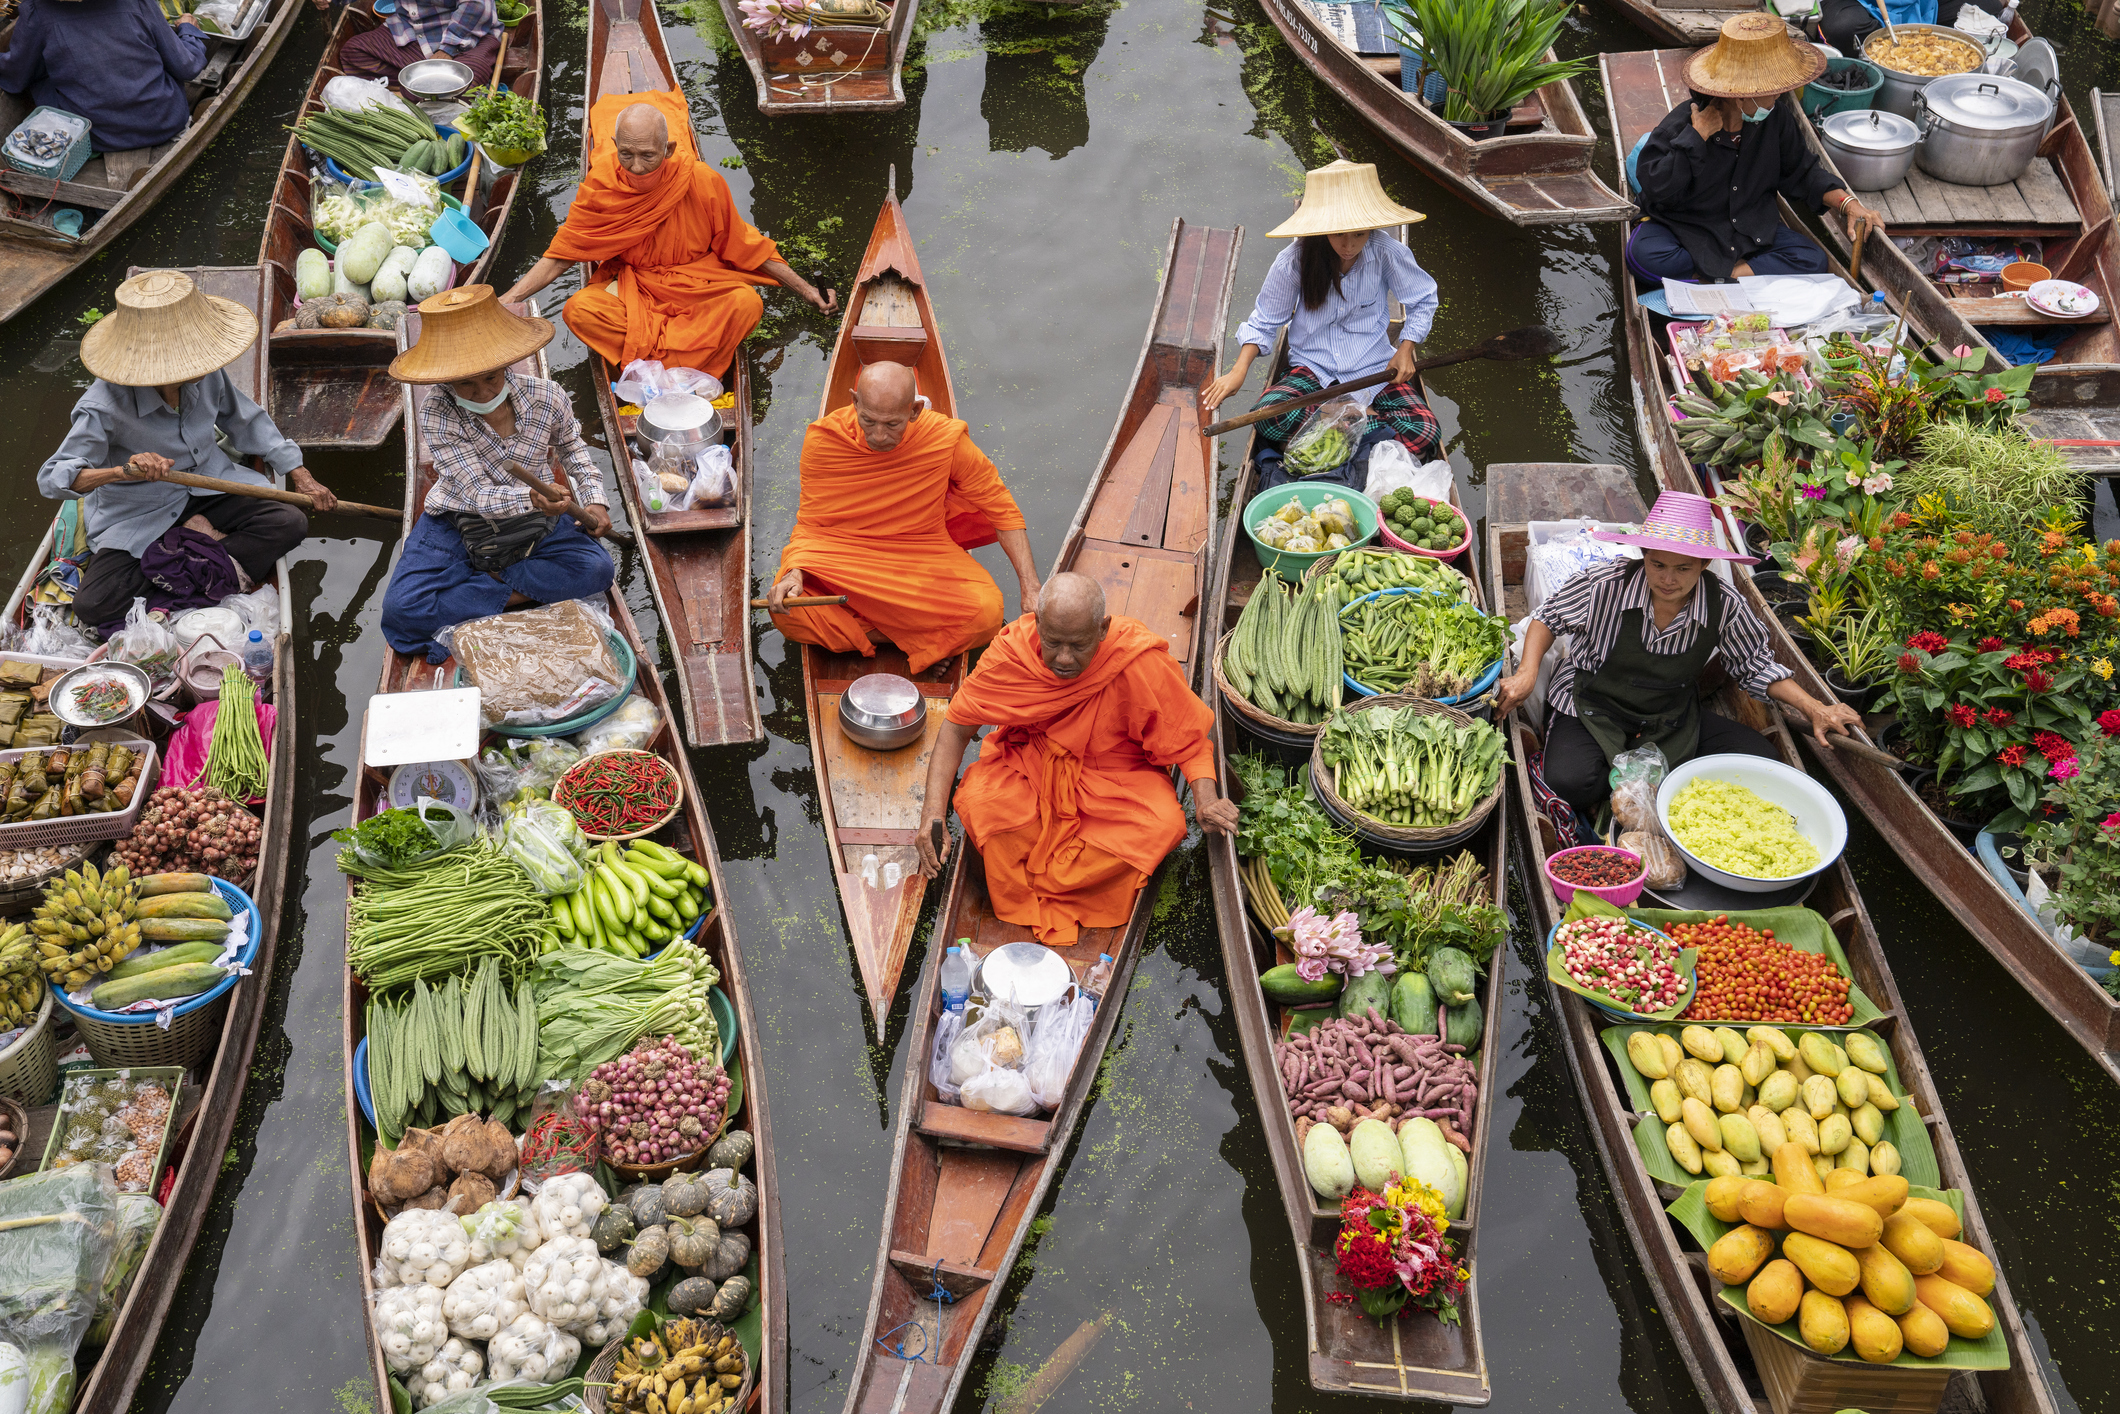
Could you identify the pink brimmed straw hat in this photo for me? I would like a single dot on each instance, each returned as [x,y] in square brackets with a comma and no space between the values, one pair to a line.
[1679,521]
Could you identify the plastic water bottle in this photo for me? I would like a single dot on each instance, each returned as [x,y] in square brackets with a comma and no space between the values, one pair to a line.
[956,977]
[257,657]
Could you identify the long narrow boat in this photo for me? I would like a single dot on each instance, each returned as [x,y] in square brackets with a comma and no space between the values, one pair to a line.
[1692,25]
[1635,83]
[690,834]
[114,189]
[108,1385]
[699,561]
[966,1184]
[2105,109]
[831,68]
[871,799]
[332,387]
[1536,173]
[1740,1367]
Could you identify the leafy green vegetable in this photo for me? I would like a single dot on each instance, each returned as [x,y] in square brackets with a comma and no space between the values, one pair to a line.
[505,120]
[390,840]
[591,1006]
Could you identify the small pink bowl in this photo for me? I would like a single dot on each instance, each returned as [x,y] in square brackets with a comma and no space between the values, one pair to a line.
[1618,895]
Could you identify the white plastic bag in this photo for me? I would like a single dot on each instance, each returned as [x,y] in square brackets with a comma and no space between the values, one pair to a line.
[259,610]
[409,1324]
[454,1369]
[1391,469]
[567,1206]
[426,1246]
[947,1030]
[563,1282]
[1055,1043]
[51,636]
[1001,1090]
[713,477]
[997,1037]
[147,644]
[627,729]
[503,1230]
[654,495]
[646,378]
[530,1348]
[483,1300]
[350,94]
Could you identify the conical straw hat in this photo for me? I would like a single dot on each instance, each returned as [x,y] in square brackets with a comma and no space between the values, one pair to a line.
[1342,198]
[166,330]
[1755,56]
[465,332]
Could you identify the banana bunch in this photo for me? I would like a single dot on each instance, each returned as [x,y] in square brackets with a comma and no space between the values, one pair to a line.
[1727,424]
[21,980]
[687,1367]
[86,925]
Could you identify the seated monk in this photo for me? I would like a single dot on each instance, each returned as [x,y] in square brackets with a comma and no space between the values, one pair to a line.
[893,495]
[1070,802]
[675,264]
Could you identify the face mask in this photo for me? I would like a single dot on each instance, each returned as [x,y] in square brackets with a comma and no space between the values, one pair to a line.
[1759,115]
[482,408]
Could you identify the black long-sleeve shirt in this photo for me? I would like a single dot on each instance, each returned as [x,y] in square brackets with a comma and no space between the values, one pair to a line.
[1717,195]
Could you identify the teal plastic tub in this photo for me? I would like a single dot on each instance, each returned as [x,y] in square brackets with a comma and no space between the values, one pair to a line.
[1292,564]
[1819,101]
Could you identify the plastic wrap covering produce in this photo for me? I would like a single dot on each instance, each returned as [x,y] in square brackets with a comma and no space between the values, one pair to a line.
[1055,1042]
[542,837]
[426,1245]
[568,1283]
[567,1207]
[521,768]
[118,1121]
[624,1296]
[1635,775]
[941,1070]
[988,1061]
[1554,562]
[337,212]
[536,667]
[531,1348]
[138,1217]
[147,644]
[1328,437]
[409,1325]
[61,1236]
[630,728]
[454,1369]
[504,1230]
[483,1300]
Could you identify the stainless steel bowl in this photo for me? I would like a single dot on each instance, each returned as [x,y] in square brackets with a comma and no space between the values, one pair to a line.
[680,420]
[435,80]
[137,686]
[883,712]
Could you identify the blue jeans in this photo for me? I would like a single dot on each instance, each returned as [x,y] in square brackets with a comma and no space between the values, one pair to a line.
[434,586]
[1655,251]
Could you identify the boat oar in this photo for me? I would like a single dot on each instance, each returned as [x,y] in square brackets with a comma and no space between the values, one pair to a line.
[572,508]
[1531,341]
[471,173]
[274,493]
[1849,742]
[1862,233]
[815,601]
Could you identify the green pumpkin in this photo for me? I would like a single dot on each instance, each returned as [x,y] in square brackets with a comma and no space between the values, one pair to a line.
[732,1199]
[649,1208]
[730,1256]
[693,1240]
[733,1150]
[684,1195]
[694,1296]
[614,1228]
[649,1250]
[731,1300]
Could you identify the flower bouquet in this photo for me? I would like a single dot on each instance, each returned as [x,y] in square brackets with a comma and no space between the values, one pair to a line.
[1394,1251]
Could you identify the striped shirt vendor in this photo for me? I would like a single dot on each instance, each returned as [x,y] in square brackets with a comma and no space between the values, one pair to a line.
[1640,634]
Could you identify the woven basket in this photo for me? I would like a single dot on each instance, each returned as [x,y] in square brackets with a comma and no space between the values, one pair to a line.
[17,1119]
[1324,781]
[24,895]
[597,1382]
[189,1039]
[1254,718]
[676,778]
[29,1069]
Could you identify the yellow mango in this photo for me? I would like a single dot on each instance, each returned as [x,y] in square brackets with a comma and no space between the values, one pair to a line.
[1966,1266]
[1738,1137]
[1868,1121]
[1886,1282]
[1798,1068]
[1924,1331]
[1756,1064]
[1829,1266]
[1683,1149]
[1775,1293]
[1775,1040]
[1837,1220]
[1778,1091]
[1872,1332]
[1823,1323]
[1760,1204]
[1818,1096]
[1747,1098]
[1727,1088]
[1738,1253]
[1968,1317]
[1801,1127]
[1721,1198]
[1647,1056]
[1702,1044]
[1820,1054]
[1834,1135]
[1856,1156]
[1793,1171]
[1939,1218]
[1867,1054]
[1692,1078]
[1720,1162]
[1700,1123]
[1733,1044]
[1673,1052]
[1853,1086]
[1756,1168]
[1663,1094]
[1822,1165]
[1919,1250]
[1884,1157]
[1881,1093]
[1884,1194]
[1767,1125]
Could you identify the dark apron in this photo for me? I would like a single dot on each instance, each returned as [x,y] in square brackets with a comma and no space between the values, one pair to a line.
[1639,698]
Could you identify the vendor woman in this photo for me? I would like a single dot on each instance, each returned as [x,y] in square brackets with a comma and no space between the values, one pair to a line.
[1708,175]
[1331,290]
[1641,631]
[162,403]
[487,541]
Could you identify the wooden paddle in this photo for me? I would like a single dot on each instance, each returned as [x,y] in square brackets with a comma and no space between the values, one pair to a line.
[1531,341]
[471,173]
[1862,233]
[274,493]
[815,601]
[572,508]
[1848,742]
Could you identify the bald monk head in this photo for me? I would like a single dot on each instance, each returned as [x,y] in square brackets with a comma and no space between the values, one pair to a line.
[642,139]
[883,404]
[1071,623]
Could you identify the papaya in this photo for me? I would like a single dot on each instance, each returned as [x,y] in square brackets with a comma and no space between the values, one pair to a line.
[1775,1293]
[1802,1128]
[186,979]
[1683,1149]
[1413,1004]
[1818,1096]
[1883,1193]
[1371,989]
[1924,1331]
[1853,1087]
[1919,1250]
[1886,1282]
[1464,1025]
[1884,1158]
[1701,1044]
[1966,1266]
[1820,1054]
[1939,1218]
[1451,973]
[1646,1055]
[1822,1321]
[182,930]
[1872,1332]
[1700,1123]
[1793,1171]
[1756,1064]
[1778,1091]
[1767,1125]
[1868,1054]
[1283,986]
[1721,1197]
[206,905]
[1837,1220]
[1761,1204]
[1775,1040]
[1716,1163]
[152,885]
[1967,1315]
[1830,1267]
[1726,1086]
[141,962]
[1738,1137]
[1693,1080]
[1664,1096]
[1733,1045]
[1738,1253]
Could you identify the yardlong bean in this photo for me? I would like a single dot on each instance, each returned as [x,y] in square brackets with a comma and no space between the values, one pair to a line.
[235,757]
[444,915]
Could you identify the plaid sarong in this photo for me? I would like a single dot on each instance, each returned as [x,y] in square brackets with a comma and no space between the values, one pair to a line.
[1397,406]
[1567,827]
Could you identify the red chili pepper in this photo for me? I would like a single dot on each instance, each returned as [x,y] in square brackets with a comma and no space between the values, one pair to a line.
[619,792]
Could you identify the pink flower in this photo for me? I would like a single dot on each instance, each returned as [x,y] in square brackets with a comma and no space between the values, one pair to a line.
[1874,484]
[1812,493]
[1849,550]
[2112,821]
[1961,351]
[1333,945]
[1996,395]
[2063,770]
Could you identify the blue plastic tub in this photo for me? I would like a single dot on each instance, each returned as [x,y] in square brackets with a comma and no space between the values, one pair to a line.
[1479,688]
[239,902]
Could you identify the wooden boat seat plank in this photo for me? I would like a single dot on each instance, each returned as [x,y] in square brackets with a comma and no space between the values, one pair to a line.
[907,1384]
[892,302]
[722,678]
[73,193]
[1647,85]
[1026,1136]
[1192,481]
[1146,460]
[2069,425]
[874,790]
[923,1273]
[1156,591]
[1526,491]
[1985,308]
[970,1187]
[318,406]
[697,606]
[688,521]
[122,169]
[1189,323]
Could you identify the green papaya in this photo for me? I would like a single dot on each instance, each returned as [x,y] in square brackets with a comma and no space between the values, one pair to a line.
[1413,1004]
[1283,986]
[1462,1025]
[141,962]
[1371,989]
[1451,973]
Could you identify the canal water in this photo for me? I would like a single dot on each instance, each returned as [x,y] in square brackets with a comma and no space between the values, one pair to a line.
[1042,156]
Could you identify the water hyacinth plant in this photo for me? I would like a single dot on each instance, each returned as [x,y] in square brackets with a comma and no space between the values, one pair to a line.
[1492,53]
[780,19]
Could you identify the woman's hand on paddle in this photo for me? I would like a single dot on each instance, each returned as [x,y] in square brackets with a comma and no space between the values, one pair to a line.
[1829,717]
[788,586]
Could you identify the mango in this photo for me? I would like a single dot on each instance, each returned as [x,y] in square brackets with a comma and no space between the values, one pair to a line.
[1801,1127]
[1818,1096]
[1966,1266]
[1856,1156]
[1884,1157]
[1733,1044]
[1873,1332]
[1739,1137]
[1797,1068]
[1881,1094]
[1793,1171]
[1774,1039]
[1823,1323]
[1738,1253]
[1867,1119]
[1760,1204]
[1755,1168]
[1822,1165]
[1939,1218]
[1727,1088]
[1683,1149]
[1868,1054]
[1756,1064]
[1968,1317]
[1884,1194]
[1721,1197]
[1700,1123]
[1834,1135]
[1853,1086]
[1692,1078]
[1919,1250]
[1747,1098]
[1778,1091]
[1776,1292]
[1767,1125]
[1663,1094]
[1721,1162]
[1702,1044]
[1830,1267]
[1851,1225]
[1924,1330]
[1647,1056]
[1886,1282]
[1819,1053]
[1673,1052]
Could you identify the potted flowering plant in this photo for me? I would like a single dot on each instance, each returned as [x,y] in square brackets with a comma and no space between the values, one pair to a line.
[1999,721]
[1959,388]
[1393,1250]
[2074,844]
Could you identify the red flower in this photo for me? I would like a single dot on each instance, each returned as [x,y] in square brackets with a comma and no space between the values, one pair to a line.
[1997,717]
[1961,715]
[1929,641]
[1908,663]
[2011,755]
[2052,746]
[1901,520]
[1991,645]
[2109,721]
[2037,680]
[1996,395]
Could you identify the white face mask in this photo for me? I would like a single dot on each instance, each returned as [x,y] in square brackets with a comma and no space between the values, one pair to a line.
[482,408]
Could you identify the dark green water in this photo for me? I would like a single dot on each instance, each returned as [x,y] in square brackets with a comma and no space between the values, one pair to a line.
[1043,158]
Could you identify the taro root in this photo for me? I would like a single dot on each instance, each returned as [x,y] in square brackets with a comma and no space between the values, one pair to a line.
[469,1193]
[400,1175]
[434,1197]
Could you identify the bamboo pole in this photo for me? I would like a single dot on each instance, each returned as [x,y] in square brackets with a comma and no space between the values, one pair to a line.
[1058,1366]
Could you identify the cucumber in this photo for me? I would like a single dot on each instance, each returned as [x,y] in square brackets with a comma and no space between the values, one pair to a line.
[186,979]
[1284,987]
[168,957]
[182,930]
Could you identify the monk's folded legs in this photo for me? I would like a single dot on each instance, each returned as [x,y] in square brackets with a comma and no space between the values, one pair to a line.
[1080,887]
[839,628]
[705,337]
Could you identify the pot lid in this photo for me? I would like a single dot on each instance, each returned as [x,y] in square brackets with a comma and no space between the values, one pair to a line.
[679,412]
[1871,130]
[1030,974]
[883,695]
[2038,65]
[1987,104]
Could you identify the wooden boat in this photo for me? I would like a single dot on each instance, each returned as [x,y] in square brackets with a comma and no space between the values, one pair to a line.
[1733,1359]
[114,189]
[832,68]
[332,387]
[966,1184]
[1536,173]
[691,834]
[1690,25]
[214,1088]
[2105,109]
[699,561]
[1987,906]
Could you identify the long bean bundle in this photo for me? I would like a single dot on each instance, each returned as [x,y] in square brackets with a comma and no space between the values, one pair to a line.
[443,916]
[1422,642]
[235,757]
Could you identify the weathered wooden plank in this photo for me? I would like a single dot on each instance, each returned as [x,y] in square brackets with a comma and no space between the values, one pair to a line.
[1519,492]
[2042,190]
[969,1192]
[1192,481]
[978,1127]
[1136,465]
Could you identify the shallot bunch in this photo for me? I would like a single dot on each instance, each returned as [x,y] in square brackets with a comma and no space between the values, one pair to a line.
[191,831]
[653,1104]
[1333,945]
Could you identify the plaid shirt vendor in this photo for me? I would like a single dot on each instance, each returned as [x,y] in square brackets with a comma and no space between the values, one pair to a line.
[468,31]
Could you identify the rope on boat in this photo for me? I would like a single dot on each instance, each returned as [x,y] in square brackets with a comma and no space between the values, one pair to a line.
[941,1296]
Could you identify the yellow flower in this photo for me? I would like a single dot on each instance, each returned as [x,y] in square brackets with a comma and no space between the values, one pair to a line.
[2114,959]
[2103,667]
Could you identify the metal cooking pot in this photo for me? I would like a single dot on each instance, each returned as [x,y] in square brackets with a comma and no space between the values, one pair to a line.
[1897,95]
[883,712]
[1980,130]
[1872,148]
[680,420]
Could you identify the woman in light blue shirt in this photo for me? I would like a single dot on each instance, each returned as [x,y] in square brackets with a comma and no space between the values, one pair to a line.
[1331,290]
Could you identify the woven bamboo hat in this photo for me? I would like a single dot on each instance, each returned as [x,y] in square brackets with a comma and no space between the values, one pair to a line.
[166,330]
[1755,56]
[465,332]
[1342,198]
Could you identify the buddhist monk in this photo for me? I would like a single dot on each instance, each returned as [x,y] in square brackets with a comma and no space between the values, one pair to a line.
[675,264]
[893,495]
[1070,802]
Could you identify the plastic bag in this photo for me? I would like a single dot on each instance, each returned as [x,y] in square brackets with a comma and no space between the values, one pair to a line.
[409,1325]
[530,1348]
[1328,437]
[454,1370]
[1000,1090]
[658,494]
[536,667]
[947,1030]
[1663,866]
[1391,468]
[484,1298]
[713,477]
[51,636]
[259,610]
[547,845]
[55,1270]
[645,379]
[987,1061]
[224,13]
[628,729]
[504,1230]
[1055,1043]
[425,1246]
[349,94]
[147,644]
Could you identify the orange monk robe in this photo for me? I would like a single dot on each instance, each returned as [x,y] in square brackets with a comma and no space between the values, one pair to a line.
[1070,802]
[888,530]
[675,264]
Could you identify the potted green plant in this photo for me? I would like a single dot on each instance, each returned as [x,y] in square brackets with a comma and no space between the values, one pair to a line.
[1493,54]
[1859,658]
[2075,845]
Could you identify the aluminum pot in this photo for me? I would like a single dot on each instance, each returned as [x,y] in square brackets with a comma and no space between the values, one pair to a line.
[683,420]
[1897,95]
[1980,130]
[883,712]
[1872,148]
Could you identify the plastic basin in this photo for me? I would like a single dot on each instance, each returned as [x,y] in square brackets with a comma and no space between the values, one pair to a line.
[1618,895]
[1384,531]
[1480,686]
[239,902]
[1292,563]
[1819,102]
[345,179]
[1818,816]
